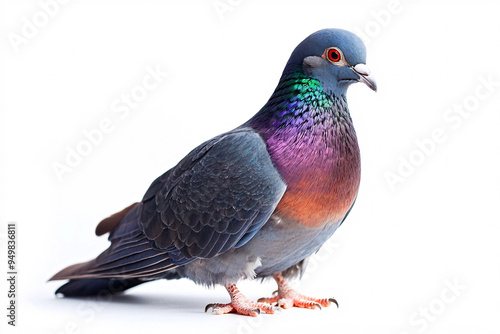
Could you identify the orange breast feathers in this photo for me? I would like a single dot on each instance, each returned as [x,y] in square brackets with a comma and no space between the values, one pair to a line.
[319,200]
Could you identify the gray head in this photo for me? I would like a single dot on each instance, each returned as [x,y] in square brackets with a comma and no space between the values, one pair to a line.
[336,57]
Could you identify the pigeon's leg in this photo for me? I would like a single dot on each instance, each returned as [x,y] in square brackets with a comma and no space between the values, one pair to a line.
[240,304]
[288,297]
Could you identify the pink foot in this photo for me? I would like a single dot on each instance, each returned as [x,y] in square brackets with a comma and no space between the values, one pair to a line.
[286,297]
[240,304]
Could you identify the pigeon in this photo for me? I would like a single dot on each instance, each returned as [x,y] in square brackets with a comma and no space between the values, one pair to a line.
[254,202]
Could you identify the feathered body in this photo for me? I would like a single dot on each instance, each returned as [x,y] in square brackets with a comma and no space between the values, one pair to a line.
[312,143]
[256,201]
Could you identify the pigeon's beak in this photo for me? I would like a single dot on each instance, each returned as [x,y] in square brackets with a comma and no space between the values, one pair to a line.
[364,75]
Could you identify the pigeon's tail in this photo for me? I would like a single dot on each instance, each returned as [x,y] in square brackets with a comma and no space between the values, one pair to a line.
[129,261]
[97,286]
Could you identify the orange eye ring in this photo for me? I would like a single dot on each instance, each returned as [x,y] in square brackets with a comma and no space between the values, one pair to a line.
[333,55]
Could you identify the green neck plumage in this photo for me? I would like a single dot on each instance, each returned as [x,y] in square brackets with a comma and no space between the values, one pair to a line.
[299,98]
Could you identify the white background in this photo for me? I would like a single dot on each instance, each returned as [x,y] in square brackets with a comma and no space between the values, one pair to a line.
[398,252]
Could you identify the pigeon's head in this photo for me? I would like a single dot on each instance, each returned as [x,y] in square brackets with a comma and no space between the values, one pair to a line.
[336,57]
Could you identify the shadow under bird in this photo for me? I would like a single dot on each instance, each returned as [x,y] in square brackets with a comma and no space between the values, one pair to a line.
[256,201]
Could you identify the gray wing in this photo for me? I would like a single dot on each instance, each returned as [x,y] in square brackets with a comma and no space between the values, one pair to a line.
[216,198]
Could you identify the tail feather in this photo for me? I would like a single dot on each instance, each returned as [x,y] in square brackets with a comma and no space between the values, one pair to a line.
[97,286]
[73,270]
[109,224]
[130,260]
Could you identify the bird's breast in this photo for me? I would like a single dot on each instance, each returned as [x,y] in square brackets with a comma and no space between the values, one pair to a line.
[322,171]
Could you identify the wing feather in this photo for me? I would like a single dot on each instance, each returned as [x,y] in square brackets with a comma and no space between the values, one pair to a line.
[216,198]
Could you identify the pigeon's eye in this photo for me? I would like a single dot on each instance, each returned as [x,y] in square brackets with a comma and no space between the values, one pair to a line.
[333,55]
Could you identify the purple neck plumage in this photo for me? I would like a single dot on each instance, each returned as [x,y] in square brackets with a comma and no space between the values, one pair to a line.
[312,142]
[305,127]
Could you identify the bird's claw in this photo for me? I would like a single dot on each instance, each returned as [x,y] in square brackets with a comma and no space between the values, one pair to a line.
[272,300]
[291,299]
[242,307]
[333,300]
[209,306]
[298,302]
[219,309]
[288,297]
